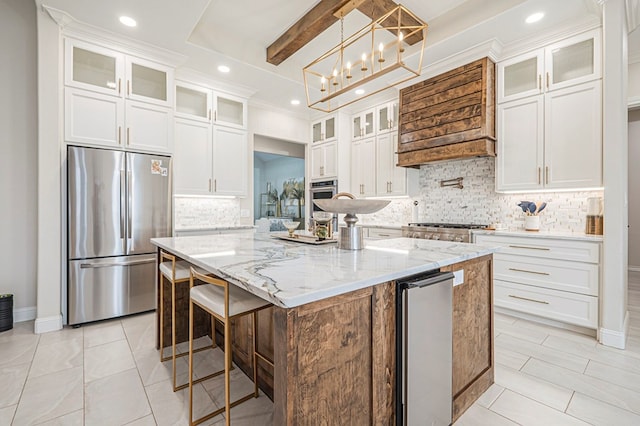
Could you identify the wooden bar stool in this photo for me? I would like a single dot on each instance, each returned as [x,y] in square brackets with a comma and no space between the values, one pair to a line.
[224,302]
[176,272]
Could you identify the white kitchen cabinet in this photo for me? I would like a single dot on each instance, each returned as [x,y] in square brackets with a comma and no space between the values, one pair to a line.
[363,124]
[571,61]
[192,161]
[324,130]
[387,117]
[92,118]
[148,128]
[202,103]
[390,180]
[324,160]
[209,160]
[363,171]
[557,279]
[573,137]
[520,159]
[116,100]
[229,161]
[96,68]
[551,141]
[549,114]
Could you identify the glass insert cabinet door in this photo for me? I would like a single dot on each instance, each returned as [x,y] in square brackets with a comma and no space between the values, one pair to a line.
[520,76]
[93,68]
[387,116]
[148,82]
[193,103]
[230,111]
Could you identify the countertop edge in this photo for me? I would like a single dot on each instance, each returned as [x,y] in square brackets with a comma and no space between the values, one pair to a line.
[540,234]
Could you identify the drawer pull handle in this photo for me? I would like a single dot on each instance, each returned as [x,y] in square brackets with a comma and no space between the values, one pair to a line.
[528,272]
[530,300]
[530,248]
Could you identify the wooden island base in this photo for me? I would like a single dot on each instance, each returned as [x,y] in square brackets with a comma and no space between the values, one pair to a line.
[335,358]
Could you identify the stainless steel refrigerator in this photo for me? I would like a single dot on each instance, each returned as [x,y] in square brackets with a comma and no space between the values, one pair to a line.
[117,201]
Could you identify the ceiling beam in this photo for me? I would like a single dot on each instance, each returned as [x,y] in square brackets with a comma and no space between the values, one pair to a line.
[318,19]
[322,16]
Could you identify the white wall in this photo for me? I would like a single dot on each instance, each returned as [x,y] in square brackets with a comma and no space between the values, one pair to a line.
[634,82]
[634,189]
[18,155]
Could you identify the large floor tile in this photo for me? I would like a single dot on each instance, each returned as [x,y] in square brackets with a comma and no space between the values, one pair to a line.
[72,419]
[64,335]
[18,349]
[140,331]
[104,332]
[172,408]
[207,362]
[614,375]
[105,360]
[50,396]
[532,387]
[256,411]
[12,379]
[603,354]
[477,415]
[544,353]
[525,411]
[600,413]
[490,395]
[529,334]
[587,385]
[153,371]
[115,400]
[24,328]
[145,421]
[510,358]
[241,385]
[57,356]
[6,414]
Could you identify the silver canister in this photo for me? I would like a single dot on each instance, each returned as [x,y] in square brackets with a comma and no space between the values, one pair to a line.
[351,236]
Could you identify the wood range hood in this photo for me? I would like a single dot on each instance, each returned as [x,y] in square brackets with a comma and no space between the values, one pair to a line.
[450,116]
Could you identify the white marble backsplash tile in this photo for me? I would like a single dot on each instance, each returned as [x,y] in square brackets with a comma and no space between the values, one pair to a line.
[478,202]
[193,212]
[398,212]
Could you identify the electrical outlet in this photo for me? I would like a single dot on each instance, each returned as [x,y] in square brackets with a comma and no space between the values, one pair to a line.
[244,212]
[458,277]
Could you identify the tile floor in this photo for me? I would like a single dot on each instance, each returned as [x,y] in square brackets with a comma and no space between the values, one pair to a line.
[109,374]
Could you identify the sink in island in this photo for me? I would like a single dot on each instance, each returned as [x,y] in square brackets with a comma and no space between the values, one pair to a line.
[331,332]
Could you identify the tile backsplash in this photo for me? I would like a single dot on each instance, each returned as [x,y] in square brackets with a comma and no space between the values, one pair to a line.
[193,212]
[478,202]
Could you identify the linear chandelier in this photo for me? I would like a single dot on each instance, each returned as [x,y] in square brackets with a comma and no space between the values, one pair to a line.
[391,46]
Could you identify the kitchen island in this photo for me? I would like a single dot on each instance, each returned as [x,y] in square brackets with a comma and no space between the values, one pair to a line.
[332,329]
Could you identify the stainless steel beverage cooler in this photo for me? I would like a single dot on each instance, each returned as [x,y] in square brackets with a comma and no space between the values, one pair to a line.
[117,202]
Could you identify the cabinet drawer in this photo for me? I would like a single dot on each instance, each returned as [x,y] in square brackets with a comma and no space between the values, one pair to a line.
[576,277]
[379,233]
[562,306]
[581,251]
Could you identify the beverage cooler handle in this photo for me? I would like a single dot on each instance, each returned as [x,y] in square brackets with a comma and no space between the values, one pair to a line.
[129,204]
[112,264]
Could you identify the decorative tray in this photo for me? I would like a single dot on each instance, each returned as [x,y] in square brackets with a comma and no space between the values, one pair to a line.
[307,239]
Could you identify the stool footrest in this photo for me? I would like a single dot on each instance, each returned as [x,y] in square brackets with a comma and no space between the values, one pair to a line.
[223,408]
[178,355]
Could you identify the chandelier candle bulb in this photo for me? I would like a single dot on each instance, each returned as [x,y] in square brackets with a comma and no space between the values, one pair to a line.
[322,81]
[348,69]
[364,62]
[335,77]
[381,49]
[400,40]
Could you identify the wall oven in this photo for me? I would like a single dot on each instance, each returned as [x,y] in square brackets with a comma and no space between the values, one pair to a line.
[323,190]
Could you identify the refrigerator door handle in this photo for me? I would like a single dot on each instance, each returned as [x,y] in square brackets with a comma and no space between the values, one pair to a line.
[123,201]
[129,204]
[112,264]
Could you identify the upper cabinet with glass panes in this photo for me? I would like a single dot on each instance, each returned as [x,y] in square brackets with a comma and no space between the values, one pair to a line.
[201,103]
[568,62]
[324,130]
[95,68]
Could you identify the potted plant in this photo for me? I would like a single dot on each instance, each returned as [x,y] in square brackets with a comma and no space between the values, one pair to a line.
[531,211]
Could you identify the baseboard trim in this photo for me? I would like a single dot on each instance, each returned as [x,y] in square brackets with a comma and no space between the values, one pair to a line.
[613,338]
[46,324]
[24,314]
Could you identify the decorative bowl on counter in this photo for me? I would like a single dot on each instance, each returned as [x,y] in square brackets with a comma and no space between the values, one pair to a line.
[291,227]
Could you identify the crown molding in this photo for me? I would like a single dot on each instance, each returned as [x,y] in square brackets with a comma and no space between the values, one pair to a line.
[191,75]
[303,114]
[70,27]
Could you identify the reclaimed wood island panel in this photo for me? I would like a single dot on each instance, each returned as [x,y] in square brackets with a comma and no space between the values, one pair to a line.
[334,356]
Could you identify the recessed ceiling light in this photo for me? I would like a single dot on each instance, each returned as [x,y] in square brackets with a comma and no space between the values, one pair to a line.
[360,92]
[295,102]
[128,21]
[534,17]
[224,68]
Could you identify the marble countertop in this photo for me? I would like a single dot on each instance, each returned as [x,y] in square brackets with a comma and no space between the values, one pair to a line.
[381,226]
[541,234]
[290,274]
